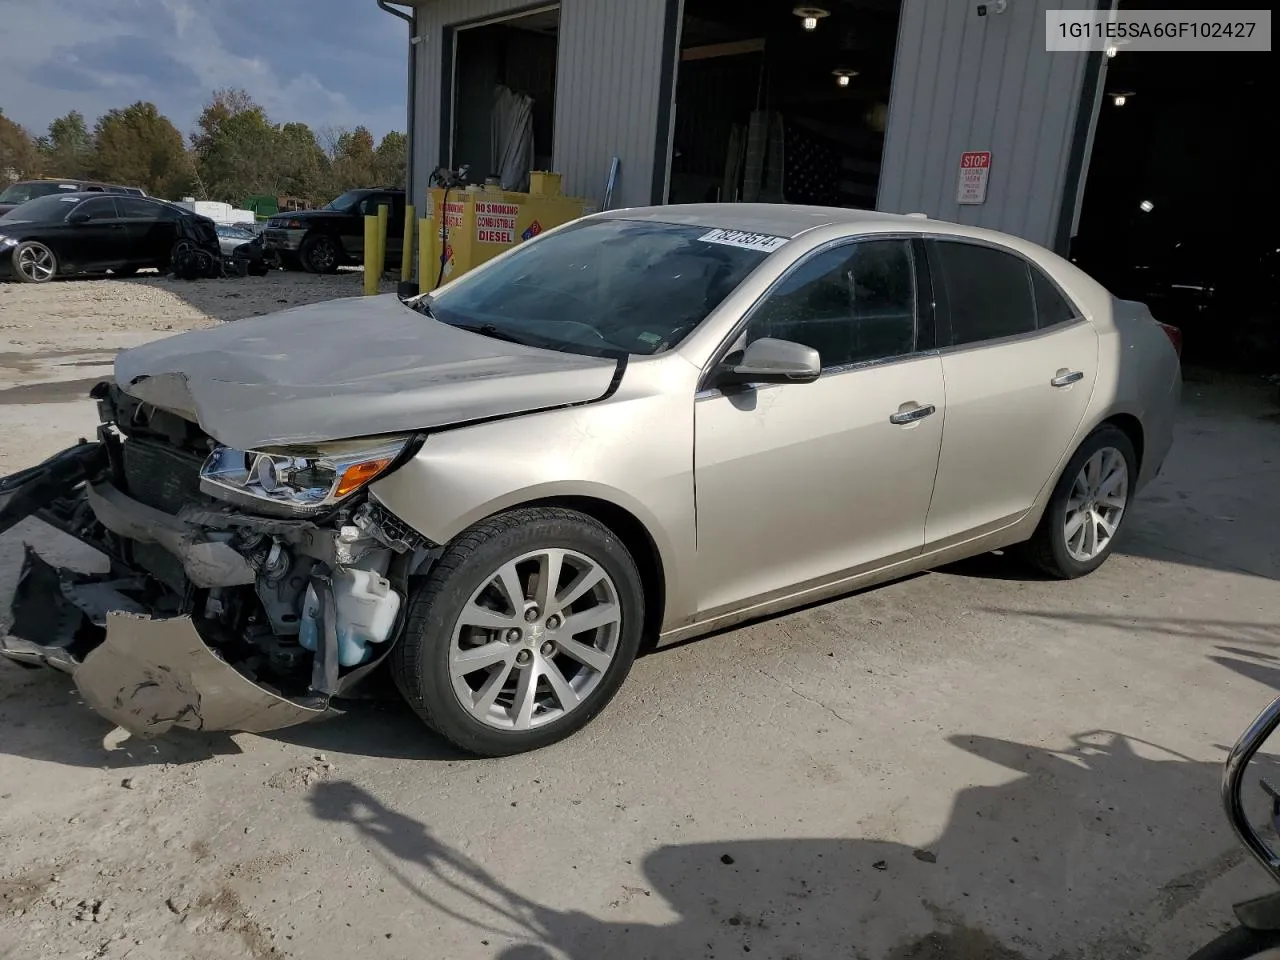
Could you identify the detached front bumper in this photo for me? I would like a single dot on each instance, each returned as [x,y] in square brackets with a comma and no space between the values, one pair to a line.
[147,674]
[148,657]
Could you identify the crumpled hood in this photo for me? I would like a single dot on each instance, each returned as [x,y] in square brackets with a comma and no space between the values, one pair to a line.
[349,368]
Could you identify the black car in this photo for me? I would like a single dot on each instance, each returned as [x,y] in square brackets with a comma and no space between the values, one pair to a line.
[19,193]
[69,233]
[323,240]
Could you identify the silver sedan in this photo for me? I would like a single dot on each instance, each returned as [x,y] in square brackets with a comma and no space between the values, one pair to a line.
[644,425]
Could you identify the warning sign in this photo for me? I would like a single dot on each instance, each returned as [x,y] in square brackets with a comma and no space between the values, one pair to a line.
[532,231]
[453,214]
[974,167]
[496,222]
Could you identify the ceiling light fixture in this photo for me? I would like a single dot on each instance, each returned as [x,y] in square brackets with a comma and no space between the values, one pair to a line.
[844,76]
[1146,206]
[809,16]
[1120,99]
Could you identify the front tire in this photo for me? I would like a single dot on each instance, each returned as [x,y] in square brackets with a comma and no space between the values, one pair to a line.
[497,662]
[33,262]
[1088,507]
[1241,944]
[319,253]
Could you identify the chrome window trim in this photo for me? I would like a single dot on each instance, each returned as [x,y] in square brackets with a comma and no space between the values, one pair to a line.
[1057,328]
[726,345]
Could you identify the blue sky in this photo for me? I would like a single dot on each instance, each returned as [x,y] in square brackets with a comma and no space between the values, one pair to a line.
[325,62]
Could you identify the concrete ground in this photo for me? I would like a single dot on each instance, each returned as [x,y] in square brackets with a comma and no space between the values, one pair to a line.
[968,765]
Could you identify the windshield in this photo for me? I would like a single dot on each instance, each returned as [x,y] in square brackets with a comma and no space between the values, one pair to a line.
[49,208]
[345,201]
[604,287]
[22,192]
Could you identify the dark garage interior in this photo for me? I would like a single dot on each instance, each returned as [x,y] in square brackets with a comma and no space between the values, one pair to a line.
[1180,198]
[782,103]
[513,58]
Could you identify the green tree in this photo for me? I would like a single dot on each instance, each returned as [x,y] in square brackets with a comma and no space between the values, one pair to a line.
[305,167]
[240,152]
[138,146]
[232,147]
[391,158]
[68,149]
[354,160]
[19,157]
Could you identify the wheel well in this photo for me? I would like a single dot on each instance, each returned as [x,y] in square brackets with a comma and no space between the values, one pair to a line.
[1132,428]
[636,538]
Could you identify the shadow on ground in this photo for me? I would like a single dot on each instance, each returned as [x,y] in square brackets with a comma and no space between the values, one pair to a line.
[1050,863]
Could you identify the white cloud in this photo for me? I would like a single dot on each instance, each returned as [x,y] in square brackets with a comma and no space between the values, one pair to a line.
[41,37]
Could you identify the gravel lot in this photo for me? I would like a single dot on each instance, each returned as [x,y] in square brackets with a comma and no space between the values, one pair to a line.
[968,765]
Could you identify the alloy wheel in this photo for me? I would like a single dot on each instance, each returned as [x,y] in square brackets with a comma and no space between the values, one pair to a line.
[1097,502]
[322,254]
[35,262]
[535,640]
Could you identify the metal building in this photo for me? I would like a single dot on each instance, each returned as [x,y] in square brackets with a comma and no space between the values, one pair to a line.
[656,83]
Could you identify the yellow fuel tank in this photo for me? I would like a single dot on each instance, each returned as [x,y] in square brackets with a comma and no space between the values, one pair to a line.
[479,222]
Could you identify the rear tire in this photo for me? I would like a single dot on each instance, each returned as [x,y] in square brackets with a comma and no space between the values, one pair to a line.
[1241,944]
[542,680]
[1088,507]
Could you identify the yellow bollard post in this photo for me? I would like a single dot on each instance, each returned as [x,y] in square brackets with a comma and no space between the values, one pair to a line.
[406,246]
[370,253]
[426,279]
[384,214]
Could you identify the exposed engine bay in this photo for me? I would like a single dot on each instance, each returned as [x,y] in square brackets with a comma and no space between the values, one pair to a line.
[245,589]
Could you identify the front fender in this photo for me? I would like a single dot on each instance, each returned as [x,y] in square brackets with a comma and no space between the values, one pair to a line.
[635,454]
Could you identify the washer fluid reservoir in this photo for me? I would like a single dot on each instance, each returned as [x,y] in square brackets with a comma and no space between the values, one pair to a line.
[366,607]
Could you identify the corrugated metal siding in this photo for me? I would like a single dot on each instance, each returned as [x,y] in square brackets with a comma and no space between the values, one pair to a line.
[607,89]
[963,82]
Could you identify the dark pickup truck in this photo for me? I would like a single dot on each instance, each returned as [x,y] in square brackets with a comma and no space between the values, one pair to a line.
[322,240]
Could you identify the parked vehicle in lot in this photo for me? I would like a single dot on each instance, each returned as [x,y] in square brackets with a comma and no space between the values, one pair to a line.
[19,193]
[323,240]
[646,424]
[232,236]
[69,233]
[1258,936]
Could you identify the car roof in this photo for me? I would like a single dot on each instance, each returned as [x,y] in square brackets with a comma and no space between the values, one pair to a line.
[775,219]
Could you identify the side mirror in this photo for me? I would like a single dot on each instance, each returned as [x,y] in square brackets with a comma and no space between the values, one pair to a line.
[78,218]
[774,361]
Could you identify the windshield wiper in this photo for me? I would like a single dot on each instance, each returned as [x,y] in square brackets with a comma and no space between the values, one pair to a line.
[497,333]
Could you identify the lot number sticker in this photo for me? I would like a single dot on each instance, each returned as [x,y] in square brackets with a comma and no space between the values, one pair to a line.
[749,241]
[496,222]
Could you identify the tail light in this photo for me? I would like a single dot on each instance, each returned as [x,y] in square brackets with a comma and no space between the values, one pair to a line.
[1174,335]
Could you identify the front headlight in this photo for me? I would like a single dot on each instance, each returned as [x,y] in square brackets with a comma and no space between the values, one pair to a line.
[298,481]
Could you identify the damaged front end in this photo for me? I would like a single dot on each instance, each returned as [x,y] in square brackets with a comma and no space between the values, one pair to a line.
[244,589]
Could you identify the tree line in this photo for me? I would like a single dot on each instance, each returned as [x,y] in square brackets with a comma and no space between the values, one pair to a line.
[234,152]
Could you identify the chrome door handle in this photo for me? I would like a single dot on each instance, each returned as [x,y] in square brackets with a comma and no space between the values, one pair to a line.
[912,415]
[1066,378]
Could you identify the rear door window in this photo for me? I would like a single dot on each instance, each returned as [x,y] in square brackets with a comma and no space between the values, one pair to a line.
[131,208]
[988,291]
